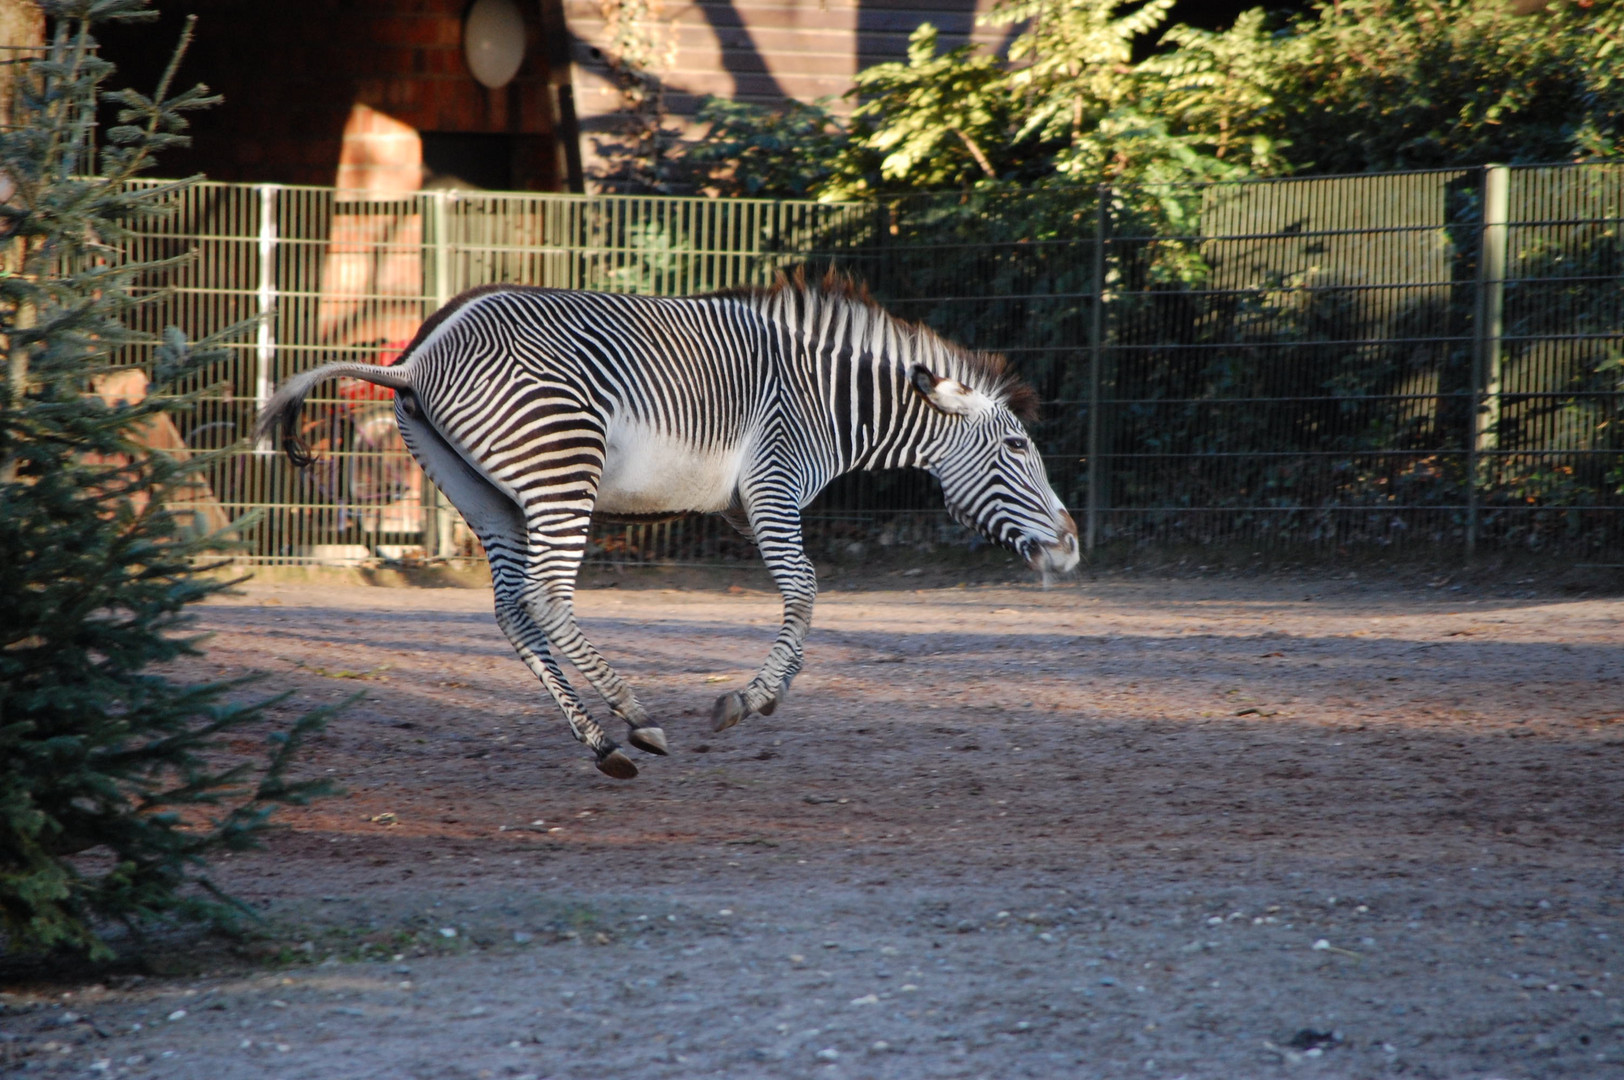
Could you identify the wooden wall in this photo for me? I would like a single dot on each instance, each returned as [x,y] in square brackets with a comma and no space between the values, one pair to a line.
[763,51]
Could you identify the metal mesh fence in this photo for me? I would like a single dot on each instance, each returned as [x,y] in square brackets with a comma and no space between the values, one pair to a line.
[1420,360]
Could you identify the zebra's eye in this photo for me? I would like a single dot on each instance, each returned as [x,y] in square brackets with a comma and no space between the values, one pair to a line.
[1017,444]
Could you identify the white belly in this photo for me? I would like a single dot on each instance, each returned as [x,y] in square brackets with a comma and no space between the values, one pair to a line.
[645,472]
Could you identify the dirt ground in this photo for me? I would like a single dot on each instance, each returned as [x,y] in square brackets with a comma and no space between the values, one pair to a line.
[1124,827]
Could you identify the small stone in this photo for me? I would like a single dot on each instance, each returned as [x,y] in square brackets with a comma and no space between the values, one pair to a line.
[178,1014]
[725,911]
[828,1053]
[521,937]
[879,1046]
[1321,945]
[448,931]
[866,999]
[796,958]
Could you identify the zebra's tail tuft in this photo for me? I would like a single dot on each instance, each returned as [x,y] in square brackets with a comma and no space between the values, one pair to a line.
[283,408]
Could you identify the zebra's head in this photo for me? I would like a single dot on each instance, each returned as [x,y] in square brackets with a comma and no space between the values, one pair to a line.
[993,477]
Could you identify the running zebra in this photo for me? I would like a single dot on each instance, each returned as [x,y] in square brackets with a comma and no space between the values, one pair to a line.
[534,409]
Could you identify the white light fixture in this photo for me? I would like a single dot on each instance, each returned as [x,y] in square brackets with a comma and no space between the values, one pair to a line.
[493,41]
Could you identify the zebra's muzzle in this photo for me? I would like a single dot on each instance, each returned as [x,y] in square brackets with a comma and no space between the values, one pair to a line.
[1057,556]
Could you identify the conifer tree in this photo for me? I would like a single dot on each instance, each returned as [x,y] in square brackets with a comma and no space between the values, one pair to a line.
[114,787]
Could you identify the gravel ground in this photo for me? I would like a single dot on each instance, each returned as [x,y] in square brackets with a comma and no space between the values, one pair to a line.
[1189,827]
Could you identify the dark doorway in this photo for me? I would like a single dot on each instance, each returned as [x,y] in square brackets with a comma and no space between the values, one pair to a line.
[460,159]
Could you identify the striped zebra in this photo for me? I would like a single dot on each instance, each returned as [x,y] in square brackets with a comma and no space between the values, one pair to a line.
[533,409]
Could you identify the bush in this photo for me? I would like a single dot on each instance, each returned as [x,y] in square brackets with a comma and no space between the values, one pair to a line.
[111,791]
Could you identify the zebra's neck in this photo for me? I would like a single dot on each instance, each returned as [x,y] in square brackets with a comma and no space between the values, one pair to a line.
[852,362]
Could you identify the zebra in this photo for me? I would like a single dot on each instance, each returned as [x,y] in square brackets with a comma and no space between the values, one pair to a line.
[532,409]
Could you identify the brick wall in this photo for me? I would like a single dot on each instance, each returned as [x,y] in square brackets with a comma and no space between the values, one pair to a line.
[291,71]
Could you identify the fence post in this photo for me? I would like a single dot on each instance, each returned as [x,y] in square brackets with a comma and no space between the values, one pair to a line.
[436,226]
[265,338]
[1489,317]
[1096,361]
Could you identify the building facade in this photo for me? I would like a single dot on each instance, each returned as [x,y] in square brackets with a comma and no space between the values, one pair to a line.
[383,94]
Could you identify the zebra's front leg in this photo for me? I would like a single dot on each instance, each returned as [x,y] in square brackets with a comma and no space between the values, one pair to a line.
[778,536]
[531,645]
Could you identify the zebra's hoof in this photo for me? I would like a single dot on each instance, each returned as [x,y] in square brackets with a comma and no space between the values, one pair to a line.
[648,739]
[770,707]
[617,765]
[729,710]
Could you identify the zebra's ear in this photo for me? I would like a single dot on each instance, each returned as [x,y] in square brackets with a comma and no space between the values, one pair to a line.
[948,395]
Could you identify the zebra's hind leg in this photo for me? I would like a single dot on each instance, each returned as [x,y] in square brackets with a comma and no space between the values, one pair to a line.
[558,617]
[531,645]
[550,603]
[502,528]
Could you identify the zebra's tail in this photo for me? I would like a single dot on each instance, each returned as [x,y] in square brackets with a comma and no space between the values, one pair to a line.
[283,408]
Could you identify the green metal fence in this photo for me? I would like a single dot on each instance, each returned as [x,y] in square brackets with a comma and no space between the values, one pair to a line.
[1424,360]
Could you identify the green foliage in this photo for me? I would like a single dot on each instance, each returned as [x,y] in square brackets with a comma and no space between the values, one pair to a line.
[1374,85]
[934,121]
[112,789]
[1359,85]
[786,153]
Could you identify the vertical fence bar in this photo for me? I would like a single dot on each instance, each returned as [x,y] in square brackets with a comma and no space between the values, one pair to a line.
[437,228]
[1096,346]
[265,340]
[1490,319]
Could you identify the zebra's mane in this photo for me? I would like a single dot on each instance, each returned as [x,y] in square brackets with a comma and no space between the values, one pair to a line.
[987,372]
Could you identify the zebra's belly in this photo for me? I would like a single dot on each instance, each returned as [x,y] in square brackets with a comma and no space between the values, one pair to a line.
[646,472]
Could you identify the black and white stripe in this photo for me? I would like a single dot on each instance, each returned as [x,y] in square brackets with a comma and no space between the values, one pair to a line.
[532,409]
